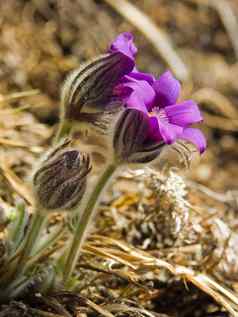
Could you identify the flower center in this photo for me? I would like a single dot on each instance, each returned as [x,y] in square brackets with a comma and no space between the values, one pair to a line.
[160,114]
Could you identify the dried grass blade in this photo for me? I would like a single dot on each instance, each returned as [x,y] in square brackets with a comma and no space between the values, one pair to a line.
[154,34]
[16,183]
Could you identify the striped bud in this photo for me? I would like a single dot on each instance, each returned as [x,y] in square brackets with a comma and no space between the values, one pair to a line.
[60,181]
[91,86]
[131,140]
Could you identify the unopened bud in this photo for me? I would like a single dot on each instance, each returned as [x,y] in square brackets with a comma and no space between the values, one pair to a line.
[131,141]
[60,181]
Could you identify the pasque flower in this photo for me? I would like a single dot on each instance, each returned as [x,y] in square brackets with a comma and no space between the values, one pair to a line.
[168,119]
[151,118]
[60,181]
[87,93]
[90,87]
[112,80]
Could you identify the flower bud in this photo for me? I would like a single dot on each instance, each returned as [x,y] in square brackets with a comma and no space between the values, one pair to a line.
[91,86]
[60,181]
[131,141]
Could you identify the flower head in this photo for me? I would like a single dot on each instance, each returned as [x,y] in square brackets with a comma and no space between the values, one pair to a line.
[169,119]
[60,181]
[113,80]
[172,120]
[90,87]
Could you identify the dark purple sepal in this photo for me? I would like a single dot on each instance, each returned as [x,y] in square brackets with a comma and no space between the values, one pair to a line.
[131,140]
[60,181]
[90,88]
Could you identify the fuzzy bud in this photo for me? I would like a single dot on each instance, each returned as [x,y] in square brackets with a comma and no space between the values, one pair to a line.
[91,86]
[60,181]
[131,140]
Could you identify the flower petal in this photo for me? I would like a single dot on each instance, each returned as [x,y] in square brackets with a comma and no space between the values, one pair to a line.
[164,131]
[142,76]
[135,102]
[154,133]
[184,114]
[169,132]
[167,89]
[124,44]
[140,97]
[196,137]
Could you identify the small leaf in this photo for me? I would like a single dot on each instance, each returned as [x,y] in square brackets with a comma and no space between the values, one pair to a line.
[17,226]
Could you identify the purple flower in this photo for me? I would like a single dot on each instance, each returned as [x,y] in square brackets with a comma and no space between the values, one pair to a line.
[169,119]
[124,44]
[89,89]
[172,120]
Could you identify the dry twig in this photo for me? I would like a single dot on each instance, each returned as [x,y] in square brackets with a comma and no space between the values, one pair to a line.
[154,34]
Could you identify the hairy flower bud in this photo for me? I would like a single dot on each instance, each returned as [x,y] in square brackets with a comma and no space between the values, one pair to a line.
[60,181]
[91,86]
[131,141]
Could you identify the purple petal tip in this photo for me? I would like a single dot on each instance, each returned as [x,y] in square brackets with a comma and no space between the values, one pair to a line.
[124,43]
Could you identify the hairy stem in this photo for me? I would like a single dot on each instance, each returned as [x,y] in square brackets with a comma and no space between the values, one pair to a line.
[85,220]
[35,229]
[63,131]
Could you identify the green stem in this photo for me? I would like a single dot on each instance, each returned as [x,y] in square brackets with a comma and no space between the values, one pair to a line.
[37,224]
[56,235]
[63,131]
[85,220]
